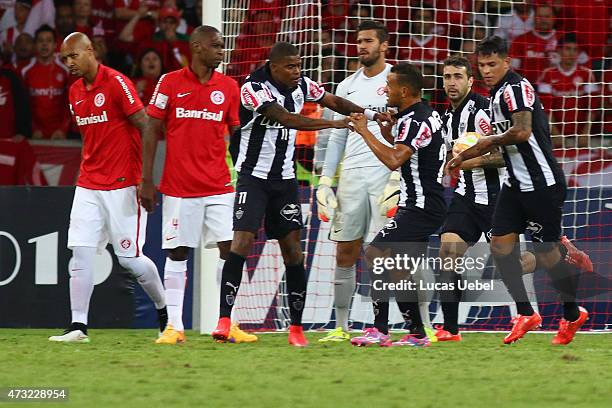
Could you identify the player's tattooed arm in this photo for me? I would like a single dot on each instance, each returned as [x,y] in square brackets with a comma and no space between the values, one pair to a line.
[518,133]
[277,113]
[493,160]
[147,190]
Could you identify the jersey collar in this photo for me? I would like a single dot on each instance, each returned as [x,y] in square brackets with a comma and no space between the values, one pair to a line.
[99,79]
[410,109]
[510,75]
[214,78]
[464,102]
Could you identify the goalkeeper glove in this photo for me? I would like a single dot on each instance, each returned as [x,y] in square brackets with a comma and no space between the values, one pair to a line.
[326,199]
[390,197]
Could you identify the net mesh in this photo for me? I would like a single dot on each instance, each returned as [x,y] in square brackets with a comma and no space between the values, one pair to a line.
[567,59]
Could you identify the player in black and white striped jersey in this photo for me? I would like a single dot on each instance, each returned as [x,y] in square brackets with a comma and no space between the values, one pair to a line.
[532,196]
[471,209]
[271,100]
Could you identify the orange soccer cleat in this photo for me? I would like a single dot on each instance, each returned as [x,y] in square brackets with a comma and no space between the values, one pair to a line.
[445,335]
[576,257]
[567,329]
[523,324]
[221,333]
[296,336]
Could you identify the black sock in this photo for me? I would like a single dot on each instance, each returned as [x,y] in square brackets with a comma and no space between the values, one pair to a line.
[381,314]
[162,318]
[230,283]
[411,313]
[564,278]
[295,277]
[79,326]
[449,300]
[510,269]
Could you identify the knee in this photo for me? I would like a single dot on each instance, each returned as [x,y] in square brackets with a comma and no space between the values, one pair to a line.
[548,258]
[293,254]
[224,249]
[448,250]
[500,249]
[346,255]
[242,243]
[178,253]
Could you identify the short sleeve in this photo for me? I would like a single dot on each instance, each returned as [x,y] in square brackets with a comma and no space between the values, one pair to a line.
[159,104]
[254,95]
[519,97]
[126,96]
[233,119]
[415,135]
[314,91]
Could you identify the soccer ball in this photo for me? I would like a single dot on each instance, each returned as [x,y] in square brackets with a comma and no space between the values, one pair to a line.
[465,141]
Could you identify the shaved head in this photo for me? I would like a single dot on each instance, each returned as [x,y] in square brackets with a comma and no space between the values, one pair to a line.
[207,46]
[78,55]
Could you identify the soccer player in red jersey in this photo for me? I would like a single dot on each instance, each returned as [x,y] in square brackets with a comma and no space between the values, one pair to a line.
[46,80]
[106,206]
[196,104]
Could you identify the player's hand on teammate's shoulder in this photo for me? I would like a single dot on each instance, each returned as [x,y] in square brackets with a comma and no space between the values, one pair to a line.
[148,195]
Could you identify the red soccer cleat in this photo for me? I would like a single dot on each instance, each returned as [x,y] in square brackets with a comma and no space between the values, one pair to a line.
[576,257]
[568,329]
[523,324]
[445,335]
[221,333]
[296,336]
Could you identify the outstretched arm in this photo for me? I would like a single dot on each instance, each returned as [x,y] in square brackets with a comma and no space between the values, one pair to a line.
[346,107]
[277,113]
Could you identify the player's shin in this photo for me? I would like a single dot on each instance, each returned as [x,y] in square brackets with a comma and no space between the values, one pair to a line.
[408,304]
[450,295]
[230,283]
[175,275]
[344,286]
[81,283]
[564,277]
[296,288]
[509,267]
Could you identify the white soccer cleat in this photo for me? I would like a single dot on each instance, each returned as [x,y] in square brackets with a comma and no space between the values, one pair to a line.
[74,336]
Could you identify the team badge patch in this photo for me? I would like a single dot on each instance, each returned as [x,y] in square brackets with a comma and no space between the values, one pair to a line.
[239,213]
[217,97]
[380,91]
[99,100]
[125,243]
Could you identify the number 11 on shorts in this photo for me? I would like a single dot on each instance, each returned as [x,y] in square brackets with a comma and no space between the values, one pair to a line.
[242,197]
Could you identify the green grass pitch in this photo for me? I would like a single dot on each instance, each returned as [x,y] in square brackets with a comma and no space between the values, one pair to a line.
[124,368]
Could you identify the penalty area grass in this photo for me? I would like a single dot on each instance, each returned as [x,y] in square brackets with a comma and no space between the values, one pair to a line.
[124,368]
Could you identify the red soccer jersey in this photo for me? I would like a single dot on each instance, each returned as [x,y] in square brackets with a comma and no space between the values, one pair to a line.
[567,94]
[145,27]
[47,85]
[111,145]
[429,49]
[531,53]
[196,116]
[7,108]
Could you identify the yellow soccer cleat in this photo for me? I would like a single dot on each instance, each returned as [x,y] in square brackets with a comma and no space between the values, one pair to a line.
[171,336]
[431,334]
[238,336]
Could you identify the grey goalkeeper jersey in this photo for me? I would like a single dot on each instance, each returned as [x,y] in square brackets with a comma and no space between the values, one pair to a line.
[349,146]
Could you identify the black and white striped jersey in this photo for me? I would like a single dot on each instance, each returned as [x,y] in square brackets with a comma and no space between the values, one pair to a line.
[420,128]
[530,165]
[267,148]
[480,186]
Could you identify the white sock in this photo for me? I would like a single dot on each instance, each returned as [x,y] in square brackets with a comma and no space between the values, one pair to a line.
[175,276]
[145,272]
[81,282]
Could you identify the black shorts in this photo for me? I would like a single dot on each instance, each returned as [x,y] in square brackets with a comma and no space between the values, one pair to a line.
[539,212]
[410,224]
[277,200]
[468,219]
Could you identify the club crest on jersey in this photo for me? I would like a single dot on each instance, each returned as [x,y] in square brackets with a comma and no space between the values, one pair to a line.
[59,77]
[125,243]
[239,213]
[99,100]
[380,91]
[462,127]
[290,211]
[217,97]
